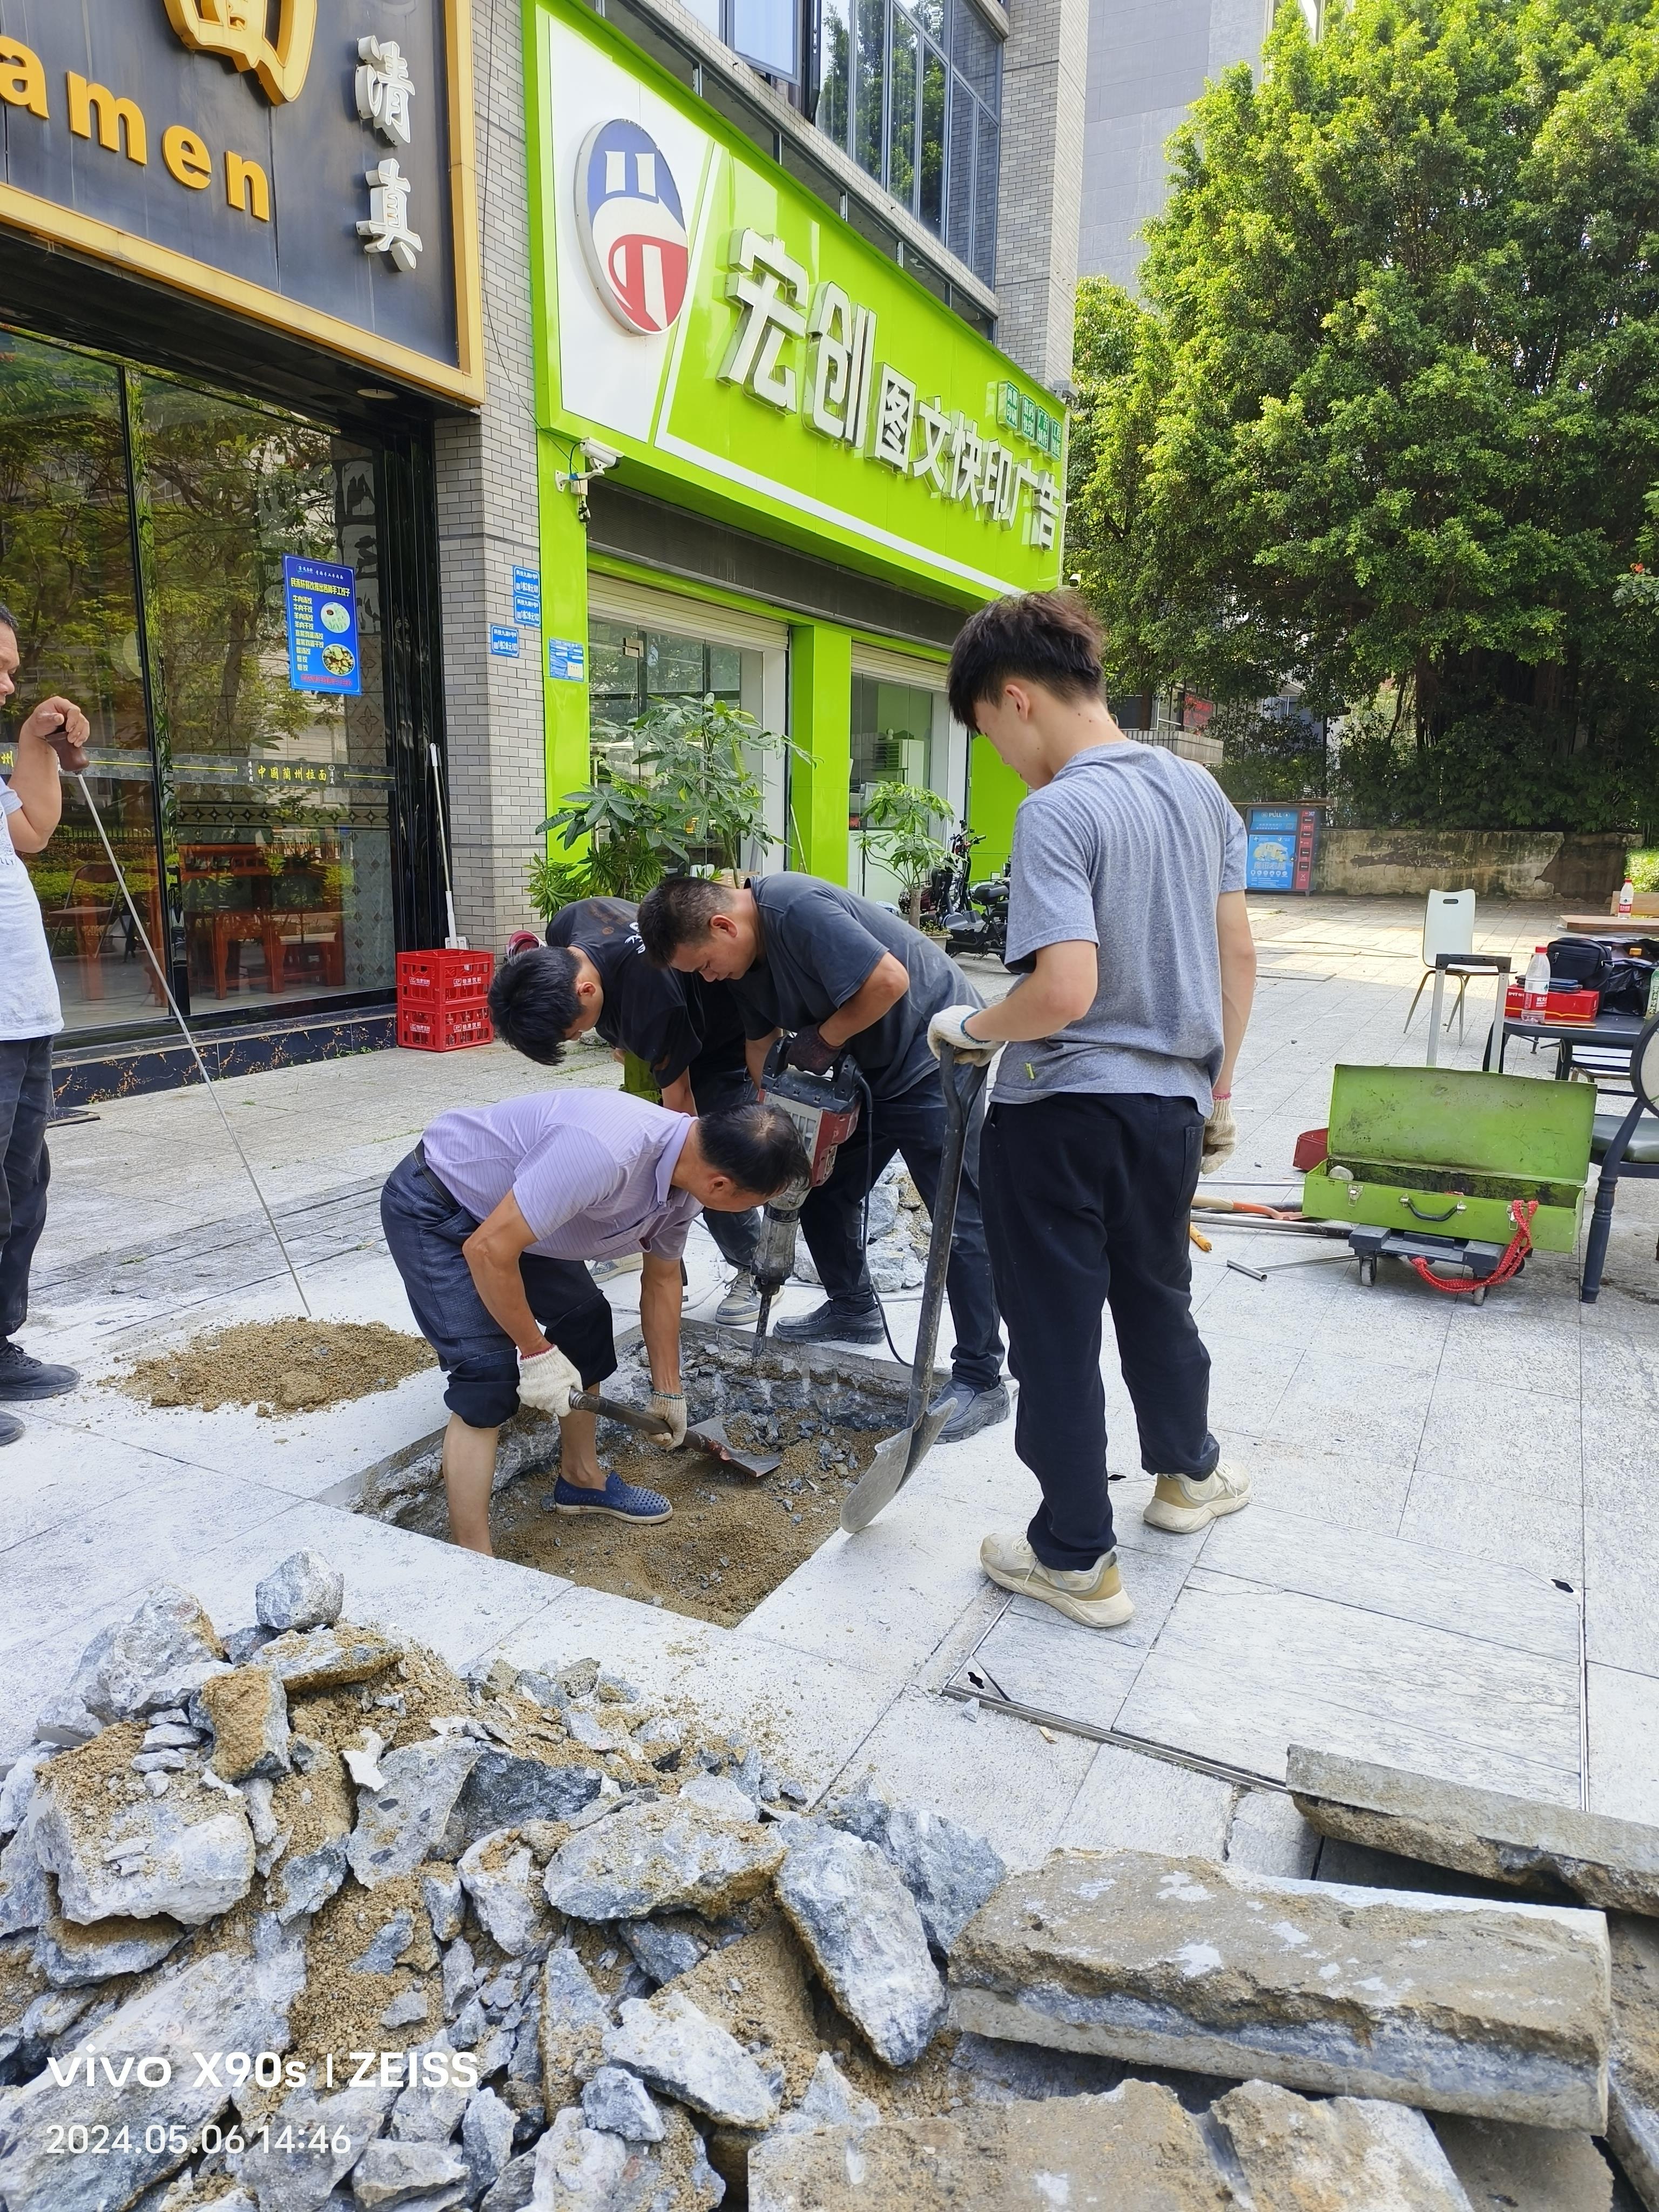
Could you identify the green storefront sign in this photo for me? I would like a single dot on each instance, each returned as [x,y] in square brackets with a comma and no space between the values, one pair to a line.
[741,351]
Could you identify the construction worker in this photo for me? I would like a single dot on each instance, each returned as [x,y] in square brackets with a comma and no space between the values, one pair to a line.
[689,1034]
[53,738]
[1127,911]
[842,973]
[489,1221]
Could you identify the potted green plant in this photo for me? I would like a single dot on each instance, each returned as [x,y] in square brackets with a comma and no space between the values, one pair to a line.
[897,827]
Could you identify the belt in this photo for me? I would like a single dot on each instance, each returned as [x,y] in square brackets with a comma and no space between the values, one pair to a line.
[448,1196]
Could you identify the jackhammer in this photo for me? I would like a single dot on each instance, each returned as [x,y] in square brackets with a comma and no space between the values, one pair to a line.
[824,1108]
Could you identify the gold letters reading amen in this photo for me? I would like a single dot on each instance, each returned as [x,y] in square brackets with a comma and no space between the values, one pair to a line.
[236,30]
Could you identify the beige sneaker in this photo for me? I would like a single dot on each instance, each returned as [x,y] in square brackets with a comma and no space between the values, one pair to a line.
[1096,1595]
[1181,1503]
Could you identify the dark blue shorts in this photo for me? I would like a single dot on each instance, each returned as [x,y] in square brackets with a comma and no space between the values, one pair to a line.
[425,1230]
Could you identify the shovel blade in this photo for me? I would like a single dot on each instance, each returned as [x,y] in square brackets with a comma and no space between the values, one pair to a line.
[710,1437]
[896,1459]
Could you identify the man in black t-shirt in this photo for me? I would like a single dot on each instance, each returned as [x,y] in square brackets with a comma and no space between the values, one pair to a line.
[798,954]
[689,1034]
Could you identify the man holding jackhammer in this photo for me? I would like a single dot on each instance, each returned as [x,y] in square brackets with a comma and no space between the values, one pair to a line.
[594,975]
[489,1221]
[840,972]
[1126,909]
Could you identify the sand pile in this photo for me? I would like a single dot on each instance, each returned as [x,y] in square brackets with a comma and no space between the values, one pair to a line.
[278,1367]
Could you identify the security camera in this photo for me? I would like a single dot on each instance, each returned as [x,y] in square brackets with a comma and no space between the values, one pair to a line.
[600,456]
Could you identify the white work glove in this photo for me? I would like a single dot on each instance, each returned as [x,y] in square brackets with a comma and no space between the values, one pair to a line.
[1220,1135]
[670,1407]
[548,1382]
[946,1028]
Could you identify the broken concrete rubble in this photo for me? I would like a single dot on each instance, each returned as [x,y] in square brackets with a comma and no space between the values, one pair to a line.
[1633,2082]
[1520,2169]
[303,1592]
[863,1933]
[398,1824]
[949,1871]
[188,1855]
[665,1857]
[1518,1840]
[1296,2156]
[1495,2009]
[247,1711]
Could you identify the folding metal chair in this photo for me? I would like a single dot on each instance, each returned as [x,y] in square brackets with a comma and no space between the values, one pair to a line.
[1627,1144]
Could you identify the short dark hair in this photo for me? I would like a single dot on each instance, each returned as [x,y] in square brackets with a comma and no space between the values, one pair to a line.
[758,1146]
[1051,638]
[533,1002]
[8,621]
[677,913]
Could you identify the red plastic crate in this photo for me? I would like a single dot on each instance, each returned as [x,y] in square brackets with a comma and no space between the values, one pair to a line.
[1564,1006]
[442,978]
[444,1029]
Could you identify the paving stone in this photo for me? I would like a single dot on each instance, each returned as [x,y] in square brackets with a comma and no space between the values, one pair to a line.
[399,1825]
[307,1660]
[676,2047]
[248,1711]
[228,2001]
[1299,2156]
[500,1877]
[948,1869]
[619,2102]
[664,1858]
[861,1928]
[487,2129]
[1134,2148]
[303,1592]
[1498,2009]
[1515,1840]
[504,1791]
[581,2169]
[391,2173]
[1267,1835]
[71,1958]
[189,1854]
[1504,2167]
[1633,2076]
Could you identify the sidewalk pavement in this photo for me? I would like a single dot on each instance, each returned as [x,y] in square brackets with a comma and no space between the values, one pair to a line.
[1442,1566]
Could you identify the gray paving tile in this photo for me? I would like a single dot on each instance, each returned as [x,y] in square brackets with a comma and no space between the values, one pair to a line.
[1537,1524]
[1129,1801]
[1624,1744]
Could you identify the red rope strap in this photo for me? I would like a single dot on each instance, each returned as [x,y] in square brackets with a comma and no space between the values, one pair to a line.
[1521,1213]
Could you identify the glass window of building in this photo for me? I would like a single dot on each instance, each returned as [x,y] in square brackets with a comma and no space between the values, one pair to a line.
[143,525]
[914,94]
[901,733]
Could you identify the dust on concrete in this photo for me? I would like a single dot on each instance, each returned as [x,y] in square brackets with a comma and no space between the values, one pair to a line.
[278,1367]
[732,1539]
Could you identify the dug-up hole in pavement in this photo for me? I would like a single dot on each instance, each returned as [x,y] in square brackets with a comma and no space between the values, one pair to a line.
[732,1539]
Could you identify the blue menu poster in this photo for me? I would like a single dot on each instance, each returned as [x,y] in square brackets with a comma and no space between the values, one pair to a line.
[1270,848]
[322,626]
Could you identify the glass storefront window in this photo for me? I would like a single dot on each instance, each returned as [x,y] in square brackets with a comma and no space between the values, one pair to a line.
[253,821]
[900,735]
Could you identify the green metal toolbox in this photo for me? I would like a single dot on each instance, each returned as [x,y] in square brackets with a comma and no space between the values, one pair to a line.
[1440,1149]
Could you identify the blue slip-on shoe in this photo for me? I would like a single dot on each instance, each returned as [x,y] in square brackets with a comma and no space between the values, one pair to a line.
[623,1501]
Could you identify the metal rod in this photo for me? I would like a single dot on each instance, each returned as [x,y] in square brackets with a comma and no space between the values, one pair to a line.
[453,940]
[160,976]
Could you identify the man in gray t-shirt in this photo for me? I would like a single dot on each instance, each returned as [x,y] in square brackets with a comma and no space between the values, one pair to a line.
[1126,912]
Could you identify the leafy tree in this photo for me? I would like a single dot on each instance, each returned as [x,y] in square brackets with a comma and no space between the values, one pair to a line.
[897,826]
[1387,423]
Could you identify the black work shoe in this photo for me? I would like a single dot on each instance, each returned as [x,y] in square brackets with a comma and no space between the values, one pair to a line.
[975,1409]
[10,1430]
[831,1323]
[23,1378]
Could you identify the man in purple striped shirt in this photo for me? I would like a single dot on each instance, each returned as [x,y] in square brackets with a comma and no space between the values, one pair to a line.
[489,1221]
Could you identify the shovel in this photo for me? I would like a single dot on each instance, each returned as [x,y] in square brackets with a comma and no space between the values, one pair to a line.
[710,1437]
[898,1456]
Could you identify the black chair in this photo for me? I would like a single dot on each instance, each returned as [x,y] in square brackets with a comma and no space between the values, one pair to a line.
[1625,1145]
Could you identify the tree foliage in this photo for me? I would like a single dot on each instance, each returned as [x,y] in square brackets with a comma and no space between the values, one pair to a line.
[1385,426]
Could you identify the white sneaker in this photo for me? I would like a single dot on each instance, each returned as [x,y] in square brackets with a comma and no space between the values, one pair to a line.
[1095,1596]
[741,1306]
[1181,1503]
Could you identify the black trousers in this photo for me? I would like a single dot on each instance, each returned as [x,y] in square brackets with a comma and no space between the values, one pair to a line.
[1087,1201]
[913,1124]
[720,1081]
[25,1169]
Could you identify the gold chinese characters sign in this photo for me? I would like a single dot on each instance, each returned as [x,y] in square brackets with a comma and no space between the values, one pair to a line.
[236,29]
[284,163]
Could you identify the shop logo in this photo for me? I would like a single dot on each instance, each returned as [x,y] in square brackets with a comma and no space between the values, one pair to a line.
[236,31]
[633,228]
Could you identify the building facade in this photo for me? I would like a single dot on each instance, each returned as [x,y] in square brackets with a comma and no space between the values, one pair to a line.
[391,394]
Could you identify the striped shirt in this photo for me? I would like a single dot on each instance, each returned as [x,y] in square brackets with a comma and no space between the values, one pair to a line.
[591,1171]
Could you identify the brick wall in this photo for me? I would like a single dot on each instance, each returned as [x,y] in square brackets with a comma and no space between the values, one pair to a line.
[1044,81]
[488,525]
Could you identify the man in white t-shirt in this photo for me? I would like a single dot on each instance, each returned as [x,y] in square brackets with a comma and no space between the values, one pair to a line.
[31,805]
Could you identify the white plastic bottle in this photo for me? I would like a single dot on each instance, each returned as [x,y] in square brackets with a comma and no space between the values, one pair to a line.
[1627,898]
[1535,991]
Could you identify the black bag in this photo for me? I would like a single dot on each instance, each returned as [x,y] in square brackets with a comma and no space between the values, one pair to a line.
[1578,963]
[1625,987]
